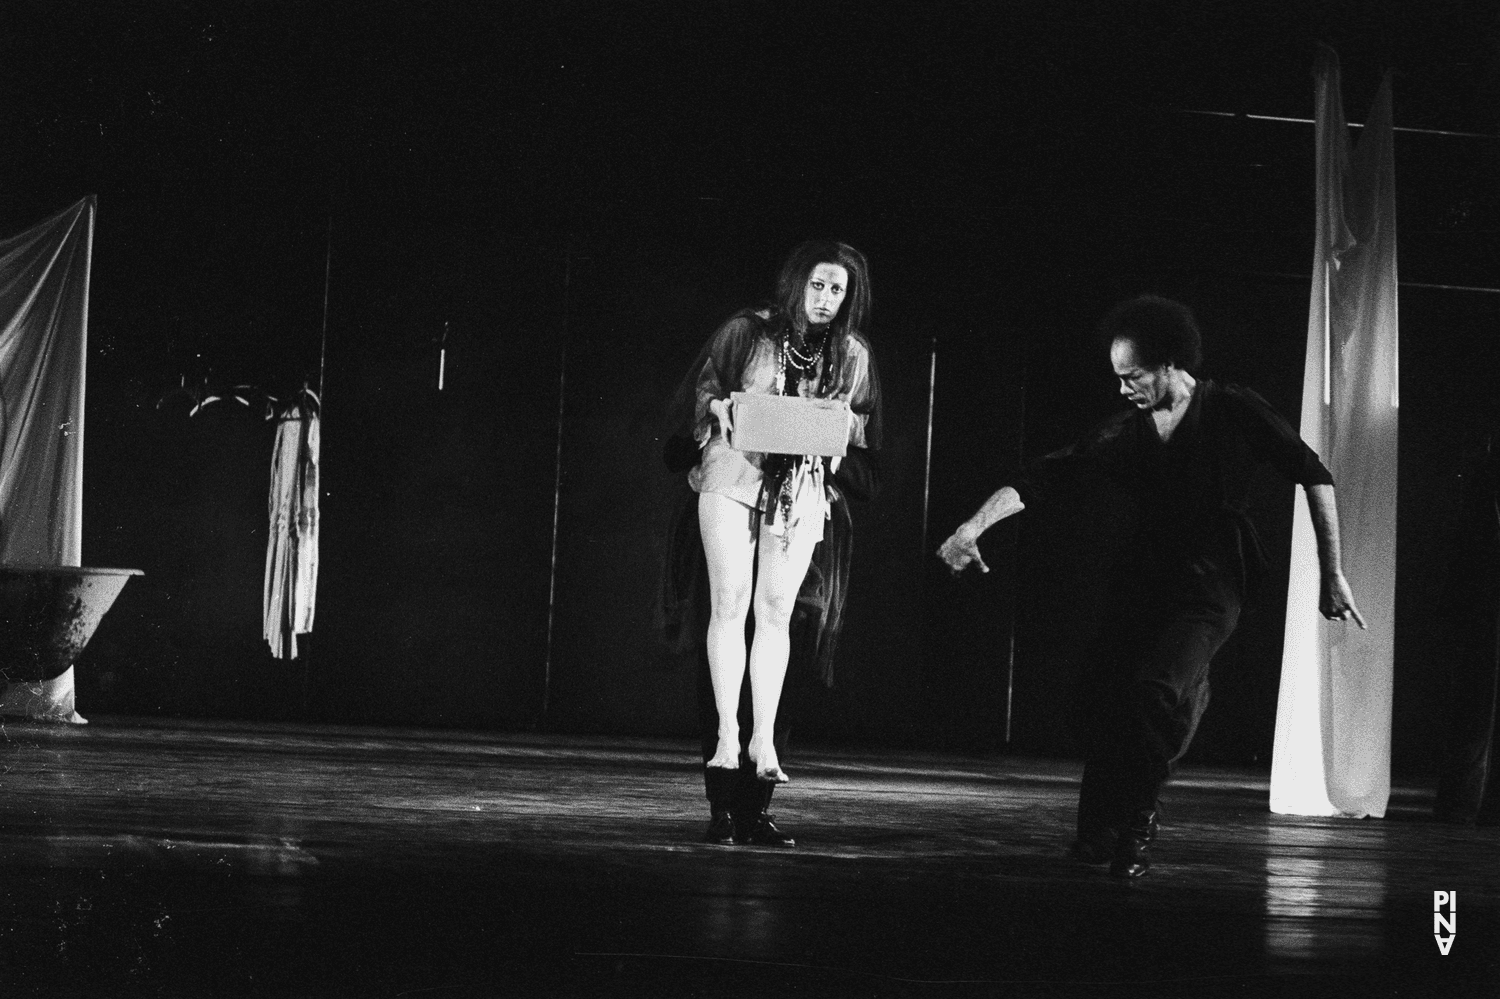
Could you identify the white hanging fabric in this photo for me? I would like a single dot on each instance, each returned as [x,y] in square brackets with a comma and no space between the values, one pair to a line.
[44,305]
[291,586]
[1333,720]
[44,308]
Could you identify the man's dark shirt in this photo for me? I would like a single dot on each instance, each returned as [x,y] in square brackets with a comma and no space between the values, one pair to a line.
[1192,491]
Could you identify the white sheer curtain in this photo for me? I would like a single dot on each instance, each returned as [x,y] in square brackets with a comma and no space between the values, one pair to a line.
[44,308]
[1333,720]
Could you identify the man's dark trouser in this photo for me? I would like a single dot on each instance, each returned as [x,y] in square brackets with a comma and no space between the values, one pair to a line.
[1146,687]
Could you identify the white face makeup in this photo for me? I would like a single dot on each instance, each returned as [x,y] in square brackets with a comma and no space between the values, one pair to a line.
[826,287]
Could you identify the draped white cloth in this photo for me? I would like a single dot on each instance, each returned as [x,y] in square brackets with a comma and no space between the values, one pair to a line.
[44,308]
[291,584]
[1333,720]
[44,303]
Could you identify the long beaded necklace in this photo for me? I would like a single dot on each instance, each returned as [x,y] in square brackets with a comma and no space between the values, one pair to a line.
[802,363]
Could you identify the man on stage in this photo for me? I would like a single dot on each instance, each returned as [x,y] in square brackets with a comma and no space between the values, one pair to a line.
[1186,453]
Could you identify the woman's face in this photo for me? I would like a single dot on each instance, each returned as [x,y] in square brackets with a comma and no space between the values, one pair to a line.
[826,286]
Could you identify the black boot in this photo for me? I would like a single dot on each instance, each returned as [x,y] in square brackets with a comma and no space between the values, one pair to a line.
[757,827]
[765,832]
[720,828]
[720,785]
[1133,846]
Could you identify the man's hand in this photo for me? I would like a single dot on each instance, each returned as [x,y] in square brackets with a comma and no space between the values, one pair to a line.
[1336,600]
[959,551]
[962,549]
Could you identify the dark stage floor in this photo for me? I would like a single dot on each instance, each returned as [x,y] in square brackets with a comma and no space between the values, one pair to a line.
[194,859]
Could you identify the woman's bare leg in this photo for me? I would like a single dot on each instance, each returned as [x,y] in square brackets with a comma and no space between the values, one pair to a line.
[728,534]
[781,571]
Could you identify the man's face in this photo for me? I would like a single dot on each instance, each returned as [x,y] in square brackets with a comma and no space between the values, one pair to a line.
[1144,385]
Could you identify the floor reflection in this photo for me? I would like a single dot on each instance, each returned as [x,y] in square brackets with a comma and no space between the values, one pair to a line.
[1324,901]
[741,914]
[277,857]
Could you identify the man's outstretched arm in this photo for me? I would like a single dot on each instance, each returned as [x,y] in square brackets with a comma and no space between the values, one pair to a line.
[1335,598]
[962,547]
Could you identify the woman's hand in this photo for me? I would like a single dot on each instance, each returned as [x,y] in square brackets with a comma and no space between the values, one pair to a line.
[960,550]
[721,411]
[857,424]
[1336,600]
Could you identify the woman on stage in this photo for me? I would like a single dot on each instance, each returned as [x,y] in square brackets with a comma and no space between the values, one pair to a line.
[771,532]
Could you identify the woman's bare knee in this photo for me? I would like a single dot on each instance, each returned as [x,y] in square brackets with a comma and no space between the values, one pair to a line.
[729,603]
[774,610]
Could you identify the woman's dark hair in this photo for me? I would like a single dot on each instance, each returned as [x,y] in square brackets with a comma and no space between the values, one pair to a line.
[791,285]
[1163,331]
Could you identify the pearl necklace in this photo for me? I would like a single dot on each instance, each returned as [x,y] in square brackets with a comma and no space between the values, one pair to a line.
[802,361]
[789,355]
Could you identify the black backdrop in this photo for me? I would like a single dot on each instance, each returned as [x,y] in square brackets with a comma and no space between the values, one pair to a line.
[602,186]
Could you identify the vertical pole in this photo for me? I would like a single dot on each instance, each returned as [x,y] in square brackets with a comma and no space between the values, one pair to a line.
[322,368]
[562,389]
[1327,332]
[442,355]
[323,342]
[1010,653]
[1010,670]
[73,532]
[927,469]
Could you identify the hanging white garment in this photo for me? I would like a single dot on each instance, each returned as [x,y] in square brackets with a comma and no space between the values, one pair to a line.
[1333,718]
[291,585]
[44,306]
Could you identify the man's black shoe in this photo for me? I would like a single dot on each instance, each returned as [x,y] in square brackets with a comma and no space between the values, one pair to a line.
[1133,849]
[1132,856]
[720,828]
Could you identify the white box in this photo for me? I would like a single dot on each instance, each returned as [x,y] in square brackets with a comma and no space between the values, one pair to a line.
[789,424]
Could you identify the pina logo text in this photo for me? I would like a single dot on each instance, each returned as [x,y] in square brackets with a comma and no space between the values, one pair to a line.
[1445,919]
